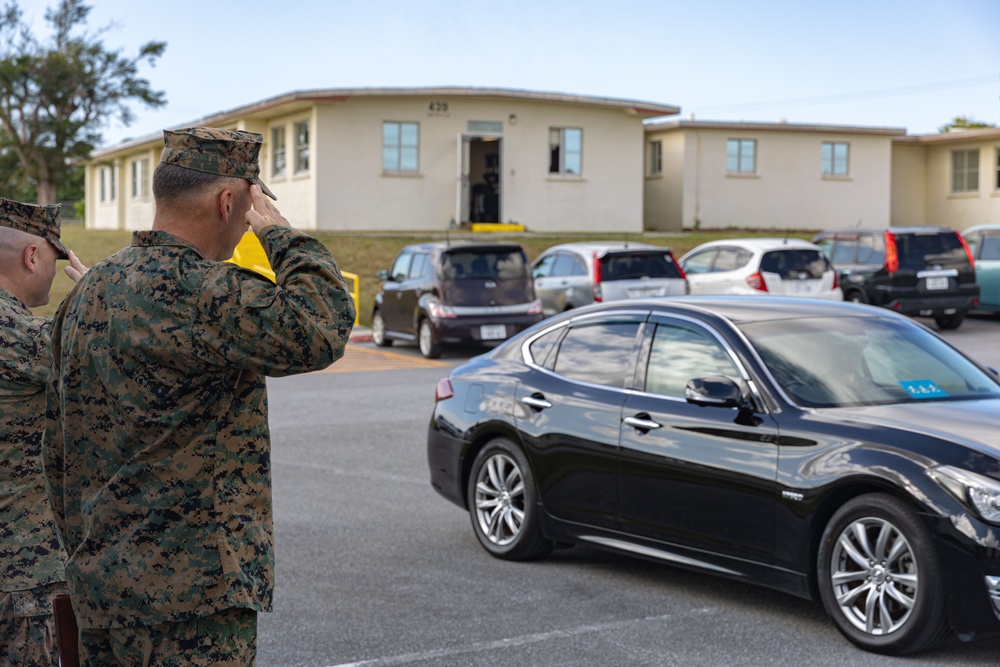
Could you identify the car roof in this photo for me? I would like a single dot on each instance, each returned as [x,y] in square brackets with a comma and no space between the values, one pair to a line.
[443,246]
[740,309]
[912,229]
[604,246]
[991,227]
[757,244]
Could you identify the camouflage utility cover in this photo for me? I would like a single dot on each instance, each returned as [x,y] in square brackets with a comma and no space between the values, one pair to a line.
[38,220]
[222,152]
[157,448]
[30,554]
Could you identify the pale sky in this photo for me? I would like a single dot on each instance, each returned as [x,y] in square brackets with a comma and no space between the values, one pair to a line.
[912,64]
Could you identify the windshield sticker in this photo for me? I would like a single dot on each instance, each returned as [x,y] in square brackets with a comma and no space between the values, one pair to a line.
[923,389]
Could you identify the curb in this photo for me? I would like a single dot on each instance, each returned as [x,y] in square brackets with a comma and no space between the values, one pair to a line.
[360,335]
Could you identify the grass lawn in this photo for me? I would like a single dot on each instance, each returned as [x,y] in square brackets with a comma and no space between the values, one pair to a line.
[365,254]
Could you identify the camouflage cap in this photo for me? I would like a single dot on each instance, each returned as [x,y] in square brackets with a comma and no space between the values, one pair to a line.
[214,151]
[41,221]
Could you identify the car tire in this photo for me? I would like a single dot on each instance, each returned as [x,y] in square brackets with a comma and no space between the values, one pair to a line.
[879,577]
[378,330]
[503,503]
[950,321]
[856,296]
[429,346]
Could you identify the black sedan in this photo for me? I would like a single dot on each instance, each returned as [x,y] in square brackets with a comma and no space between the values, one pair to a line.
[830,450]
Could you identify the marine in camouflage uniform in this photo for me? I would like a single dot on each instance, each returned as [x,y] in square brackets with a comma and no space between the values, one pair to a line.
[157,449]
[31,559]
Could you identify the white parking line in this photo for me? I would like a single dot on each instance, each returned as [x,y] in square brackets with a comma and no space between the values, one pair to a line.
[480,647]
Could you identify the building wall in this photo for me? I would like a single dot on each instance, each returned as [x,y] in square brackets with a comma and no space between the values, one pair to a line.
[787,190]
[909,184]
[964,209]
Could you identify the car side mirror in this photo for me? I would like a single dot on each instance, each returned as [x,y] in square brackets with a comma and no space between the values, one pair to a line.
[382,275]
[714,391]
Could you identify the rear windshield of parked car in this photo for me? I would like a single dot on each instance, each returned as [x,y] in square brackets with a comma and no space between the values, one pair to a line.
[636,266]
[499,265]
[793,261]
[917,251]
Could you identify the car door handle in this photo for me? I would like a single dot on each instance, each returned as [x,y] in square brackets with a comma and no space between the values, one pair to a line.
[536,402]
[641,422]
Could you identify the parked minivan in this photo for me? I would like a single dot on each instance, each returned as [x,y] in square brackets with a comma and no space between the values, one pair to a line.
[456,292]
[571,275]
[926,271]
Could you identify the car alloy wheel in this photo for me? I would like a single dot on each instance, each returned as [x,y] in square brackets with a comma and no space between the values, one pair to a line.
[425,338]
[878,577]
[378,330]
[502,503]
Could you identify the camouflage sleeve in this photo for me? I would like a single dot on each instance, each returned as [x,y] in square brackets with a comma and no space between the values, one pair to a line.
[52,447]
[298,324]
[26,358]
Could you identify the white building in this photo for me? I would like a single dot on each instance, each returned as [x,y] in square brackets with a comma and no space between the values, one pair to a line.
[421,159]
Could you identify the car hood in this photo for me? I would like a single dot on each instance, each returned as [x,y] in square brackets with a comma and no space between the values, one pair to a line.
[974,423]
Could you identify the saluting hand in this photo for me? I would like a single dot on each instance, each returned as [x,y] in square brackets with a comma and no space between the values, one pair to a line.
[264,212]
[76,269]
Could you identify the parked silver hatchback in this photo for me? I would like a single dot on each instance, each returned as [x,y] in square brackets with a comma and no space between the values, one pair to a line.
[571,275]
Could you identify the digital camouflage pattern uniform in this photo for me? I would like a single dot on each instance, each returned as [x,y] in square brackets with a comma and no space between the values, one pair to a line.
[157,451]
[31,559]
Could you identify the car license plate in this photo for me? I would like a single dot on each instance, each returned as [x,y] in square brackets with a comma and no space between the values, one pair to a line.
[802,287]
[940,282]
[493,331]
[643,293]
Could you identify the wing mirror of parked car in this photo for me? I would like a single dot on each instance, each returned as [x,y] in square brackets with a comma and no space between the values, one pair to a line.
[382,275]
[714,391]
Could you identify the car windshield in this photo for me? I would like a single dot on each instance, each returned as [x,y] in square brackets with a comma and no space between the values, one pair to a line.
[636,266]
[499,264]
[851,361]
[917,251]
[793,261]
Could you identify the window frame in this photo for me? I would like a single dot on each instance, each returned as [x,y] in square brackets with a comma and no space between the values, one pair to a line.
[829,164]
[400,153]
[966,172]
[655,163]
[740,157]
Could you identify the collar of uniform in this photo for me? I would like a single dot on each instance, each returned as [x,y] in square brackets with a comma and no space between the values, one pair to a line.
[159,237]
[13,301]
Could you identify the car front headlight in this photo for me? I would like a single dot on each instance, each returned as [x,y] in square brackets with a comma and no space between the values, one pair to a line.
[979,492]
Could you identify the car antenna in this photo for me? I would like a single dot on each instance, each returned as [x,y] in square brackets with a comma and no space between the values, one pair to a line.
[626,240]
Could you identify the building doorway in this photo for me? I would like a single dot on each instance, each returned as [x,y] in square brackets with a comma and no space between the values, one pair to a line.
[484,177]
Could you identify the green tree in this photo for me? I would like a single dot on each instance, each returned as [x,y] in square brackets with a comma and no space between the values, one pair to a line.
[964,123]
[56,97]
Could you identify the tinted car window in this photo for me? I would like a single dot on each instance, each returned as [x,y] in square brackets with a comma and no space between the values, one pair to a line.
[401,268]
[681,353]
[990,247]
[700,262]
[568,265]
[500,265]
[542,346]
[627,266]
[917,251]
[730,259]
[598,353]
[791,262]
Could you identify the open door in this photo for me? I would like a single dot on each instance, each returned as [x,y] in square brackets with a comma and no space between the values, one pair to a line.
[479,180]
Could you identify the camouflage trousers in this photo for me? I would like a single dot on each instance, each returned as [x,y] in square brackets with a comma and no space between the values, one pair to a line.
[224,639]
[28,627]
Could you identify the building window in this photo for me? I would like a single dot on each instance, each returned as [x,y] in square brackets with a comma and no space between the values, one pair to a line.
[655,158]
[834,158]
[301,146]
[965,171]
[566,150]
[279,159]
[400,146]
[998,169]
[741,156]
[108,192]
[140,178]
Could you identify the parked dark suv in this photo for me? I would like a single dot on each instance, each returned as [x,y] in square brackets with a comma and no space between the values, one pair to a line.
[926,271]
[459,292]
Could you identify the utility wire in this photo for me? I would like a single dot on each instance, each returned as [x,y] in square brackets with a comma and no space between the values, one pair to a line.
[861,95]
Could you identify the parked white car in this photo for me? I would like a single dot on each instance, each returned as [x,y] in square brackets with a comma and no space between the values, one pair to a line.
[571,275]
[761,266]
